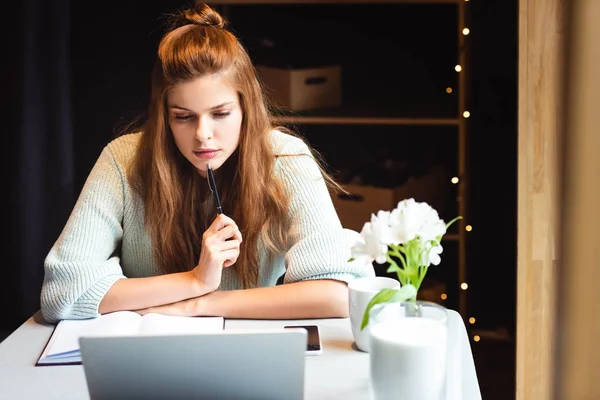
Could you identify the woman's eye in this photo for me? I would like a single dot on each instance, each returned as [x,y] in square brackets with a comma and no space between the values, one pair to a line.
[222,114]
[183,117]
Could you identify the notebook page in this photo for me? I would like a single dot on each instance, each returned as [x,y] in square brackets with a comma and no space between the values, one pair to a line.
[121,323]
[158,324]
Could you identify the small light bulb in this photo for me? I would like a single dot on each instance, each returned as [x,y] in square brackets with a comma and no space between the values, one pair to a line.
[472,320]
[466,31]
[444,296]
[476,338]
[458,68]
[448,90]
[454,180]
[468,228]
[466,114]
[464,286]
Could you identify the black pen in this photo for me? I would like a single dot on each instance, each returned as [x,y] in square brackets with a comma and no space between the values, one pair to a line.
[213,188]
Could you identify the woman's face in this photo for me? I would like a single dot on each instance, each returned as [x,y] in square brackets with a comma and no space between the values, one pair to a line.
[206,120]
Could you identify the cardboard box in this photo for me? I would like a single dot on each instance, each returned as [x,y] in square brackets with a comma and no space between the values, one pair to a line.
[355,208]
[303,89]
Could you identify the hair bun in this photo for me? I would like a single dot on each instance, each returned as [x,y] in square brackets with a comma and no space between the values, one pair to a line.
[203,15]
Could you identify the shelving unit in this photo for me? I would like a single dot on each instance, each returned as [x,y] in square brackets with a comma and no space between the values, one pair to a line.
[363,116]
[362,120]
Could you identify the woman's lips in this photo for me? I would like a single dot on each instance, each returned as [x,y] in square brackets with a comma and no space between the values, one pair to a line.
[206,154]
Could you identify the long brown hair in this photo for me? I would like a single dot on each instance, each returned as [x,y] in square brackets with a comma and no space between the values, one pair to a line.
[177,206]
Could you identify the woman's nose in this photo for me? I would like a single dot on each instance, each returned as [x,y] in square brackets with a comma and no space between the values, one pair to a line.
[203,130]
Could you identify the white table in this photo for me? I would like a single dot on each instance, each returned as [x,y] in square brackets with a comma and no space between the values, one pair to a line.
[341,372]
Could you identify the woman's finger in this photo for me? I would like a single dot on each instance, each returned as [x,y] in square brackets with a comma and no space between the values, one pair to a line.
[220,222]
[210,238]
[227,245]
[231,257]
[237,235]
[230,232]
[145,311]
[216,250]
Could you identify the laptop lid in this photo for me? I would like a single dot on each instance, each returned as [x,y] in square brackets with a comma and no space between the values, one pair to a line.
[226,365]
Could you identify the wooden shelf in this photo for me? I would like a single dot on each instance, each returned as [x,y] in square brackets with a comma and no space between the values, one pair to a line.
[361,114]
[251,2]
[451,237]
[332,120]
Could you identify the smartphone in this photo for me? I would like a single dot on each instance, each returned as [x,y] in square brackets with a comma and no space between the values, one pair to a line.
[313,346]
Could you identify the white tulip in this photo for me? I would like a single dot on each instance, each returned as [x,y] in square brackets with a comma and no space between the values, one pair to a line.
[411,219]
[369,247]
[380,225]
[432,256]
[432,227]
[405,221]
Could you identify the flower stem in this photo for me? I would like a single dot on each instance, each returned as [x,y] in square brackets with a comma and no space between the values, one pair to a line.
[422,273]
[395,252]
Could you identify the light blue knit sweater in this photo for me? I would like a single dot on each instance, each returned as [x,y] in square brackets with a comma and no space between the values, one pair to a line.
[105,239]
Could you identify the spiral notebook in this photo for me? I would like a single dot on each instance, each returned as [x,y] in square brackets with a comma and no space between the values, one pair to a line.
[63,346]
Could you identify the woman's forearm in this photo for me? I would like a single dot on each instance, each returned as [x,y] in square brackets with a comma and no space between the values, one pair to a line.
[139,293]
[301,300]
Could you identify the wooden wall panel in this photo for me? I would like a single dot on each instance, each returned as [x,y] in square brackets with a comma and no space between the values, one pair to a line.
[540,51]
[578,340]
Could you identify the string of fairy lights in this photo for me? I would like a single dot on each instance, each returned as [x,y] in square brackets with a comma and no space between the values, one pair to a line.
[455,180]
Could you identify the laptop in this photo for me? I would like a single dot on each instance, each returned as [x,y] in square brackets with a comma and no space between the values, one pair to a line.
[228,365]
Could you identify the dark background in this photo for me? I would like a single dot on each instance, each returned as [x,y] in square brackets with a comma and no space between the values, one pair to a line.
[76,72]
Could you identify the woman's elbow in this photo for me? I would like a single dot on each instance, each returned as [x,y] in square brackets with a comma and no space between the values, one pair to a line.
[54,303]
[50,313]
[50,309]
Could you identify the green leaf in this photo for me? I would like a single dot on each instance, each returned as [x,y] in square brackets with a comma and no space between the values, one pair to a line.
[406,292]
[393,268]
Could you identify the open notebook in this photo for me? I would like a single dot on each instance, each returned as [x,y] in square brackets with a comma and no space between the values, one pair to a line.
[63,346]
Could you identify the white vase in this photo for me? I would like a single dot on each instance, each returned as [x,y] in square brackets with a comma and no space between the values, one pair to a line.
[408,347]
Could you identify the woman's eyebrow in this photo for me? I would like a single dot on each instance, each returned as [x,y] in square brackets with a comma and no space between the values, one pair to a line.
[212,108]
[222,105]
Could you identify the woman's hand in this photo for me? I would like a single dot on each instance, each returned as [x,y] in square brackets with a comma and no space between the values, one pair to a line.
[220,249]
[185,308]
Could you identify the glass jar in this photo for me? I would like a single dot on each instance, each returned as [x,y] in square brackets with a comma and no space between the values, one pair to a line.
[408,350]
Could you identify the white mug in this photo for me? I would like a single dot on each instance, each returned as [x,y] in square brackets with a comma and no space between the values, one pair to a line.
[360,292]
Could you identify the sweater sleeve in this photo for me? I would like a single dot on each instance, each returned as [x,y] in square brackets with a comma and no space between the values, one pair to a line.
[84,263]
[319,247]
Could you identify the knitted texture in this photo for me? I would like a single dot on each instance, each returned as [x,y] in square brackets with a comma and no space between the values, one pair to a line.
[105,238]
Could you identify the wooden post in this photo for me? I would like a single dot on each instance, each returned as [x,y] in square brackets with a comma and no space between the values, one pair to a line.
[540,57]
[578,326]
[463,184]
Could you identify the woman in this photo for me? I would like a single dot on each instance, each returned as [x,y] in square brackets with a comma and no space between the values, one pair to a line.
[144,234]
